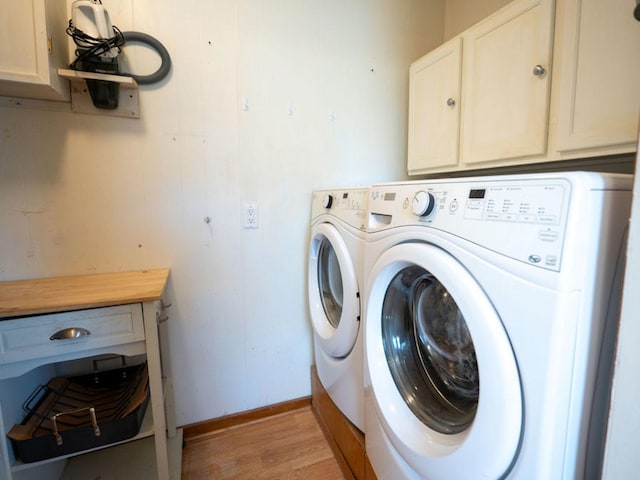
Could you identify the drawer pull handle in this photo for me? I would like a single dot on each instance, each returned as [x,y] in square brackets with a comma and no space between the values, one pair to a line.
[70,333]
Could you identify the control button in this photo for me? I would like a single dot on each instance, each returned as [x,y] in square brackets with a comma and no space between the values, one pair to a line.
[551,260]
[526,218]
[547,219]
[453,206]
[405,204]
[493,216]
[327,201]
[548,235]
[535,258]
[423,203]
[509,217]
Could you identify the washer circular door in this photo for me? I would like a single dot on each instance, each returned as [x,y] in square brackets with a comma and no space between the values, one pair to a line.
[443,374]
[333,291]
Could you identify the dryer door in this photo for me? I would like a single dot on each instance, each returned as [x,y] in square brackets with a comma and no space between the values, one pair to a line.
[442,370]
[334,301]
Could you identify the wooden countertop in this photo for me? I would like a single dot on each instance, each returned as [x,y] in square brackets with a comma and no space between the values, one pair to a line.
[49,295]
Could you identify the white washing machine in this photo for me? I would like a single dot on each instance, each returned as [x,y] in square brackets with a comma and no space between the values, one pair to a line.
[335,277]
[490,320]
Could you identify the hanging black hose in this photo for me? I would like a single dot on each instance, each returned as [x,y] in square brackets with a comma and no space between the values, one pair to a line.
[99,53]
[165,65]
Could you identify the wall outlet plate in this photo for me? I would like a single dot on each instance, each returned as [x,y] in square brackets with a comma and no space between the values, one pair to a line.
[251,215]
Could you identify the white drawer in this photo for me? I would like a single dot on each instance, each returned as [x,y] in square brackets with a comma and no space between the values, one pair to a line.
[29,338]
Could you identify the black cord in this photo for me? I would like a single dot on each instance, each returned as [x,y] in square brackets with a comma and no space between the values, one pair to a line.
[89,46]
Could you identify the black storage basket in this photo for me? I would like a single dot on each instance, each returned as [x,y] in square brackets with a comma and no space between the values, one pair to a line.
[80,413]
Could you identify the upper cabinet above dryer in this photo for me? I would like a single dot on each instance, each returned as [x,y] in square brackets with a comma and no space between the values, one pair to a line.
[506,83]
[34,46]
[484,95]
[434,108]
[596,80]
[518,103]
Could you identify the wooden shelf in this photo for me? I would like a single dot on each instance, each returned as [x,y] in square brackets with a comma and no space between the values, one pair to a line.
[81,99]
[77,75]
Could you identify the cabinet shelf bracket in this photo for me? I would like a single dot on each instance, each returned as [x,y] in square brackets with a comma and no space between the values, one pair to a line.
[128,105]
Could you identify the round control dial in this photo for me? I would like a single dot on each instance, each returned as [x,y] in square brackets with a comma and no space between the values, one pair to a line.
[423,204]
[327,200]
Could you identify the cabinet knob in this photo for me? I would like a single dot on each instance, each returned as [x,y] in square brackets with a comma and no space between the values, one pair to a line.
[451,102]
[539,70]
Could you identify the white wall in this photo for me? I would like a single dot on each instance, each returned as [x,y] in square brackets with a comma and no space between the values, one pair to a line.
[621,459]
[462,14]
[325,85]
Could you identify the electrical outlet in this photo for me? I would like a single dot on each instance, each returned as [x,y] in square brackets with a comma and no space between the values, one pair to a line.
[250,215]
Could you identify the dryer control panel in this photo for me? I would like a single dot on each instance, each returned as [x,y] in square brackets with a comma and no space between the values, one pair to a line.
[523,219]
[349,205]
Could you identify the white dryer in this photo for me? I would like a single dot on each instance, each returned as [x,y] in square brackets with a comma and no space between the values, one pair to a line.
[490,320]
[335,277]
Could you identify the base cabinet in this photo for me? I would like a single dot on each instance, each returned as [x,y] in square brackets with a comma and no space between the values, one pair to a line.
[29,357]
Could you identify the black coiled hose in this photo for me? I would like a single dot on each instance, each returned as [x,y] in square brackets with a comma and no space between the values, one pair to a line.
[165,65]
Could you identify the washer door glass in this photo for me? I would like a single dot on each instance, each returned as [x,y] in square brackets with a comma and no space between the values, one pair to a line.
[330,282]
[429,350]
[334,297]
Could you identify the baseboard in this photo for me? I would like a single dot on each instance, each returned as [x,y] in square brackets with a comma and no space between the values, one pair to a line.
[206,427]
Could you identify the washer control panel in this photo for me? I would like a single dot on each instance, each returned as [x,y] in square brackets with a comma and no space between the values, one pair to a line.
[523,219]
[423,204]
[529,204]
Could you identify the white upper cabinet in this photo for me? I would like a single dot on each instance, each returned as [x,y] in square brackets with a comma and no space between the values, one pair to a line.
[596,81]
[506,83]
[519,104]
[434,108]
[483,97]
[33,45]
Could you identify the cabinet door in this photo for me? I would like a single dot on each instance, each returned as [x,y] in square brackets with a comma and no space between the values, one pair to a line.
[33,44]
[596,98]
[434,108]
[506,98]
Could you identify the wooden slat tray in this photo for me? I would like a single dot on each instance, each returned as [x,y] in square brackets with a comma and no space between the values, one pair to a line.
[73,414]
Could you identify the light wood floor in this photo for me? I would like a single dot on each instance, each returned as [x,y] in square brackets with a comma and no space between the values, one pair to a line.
[284,447]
